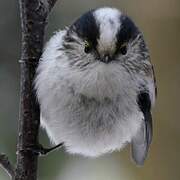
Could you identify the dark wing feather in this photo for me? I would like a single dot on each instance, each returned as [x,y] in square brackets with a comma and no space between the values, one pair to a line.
[143,138]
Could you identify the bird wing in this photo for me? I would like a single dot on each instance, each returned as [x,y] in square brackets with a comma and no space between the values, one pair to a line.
[141,142]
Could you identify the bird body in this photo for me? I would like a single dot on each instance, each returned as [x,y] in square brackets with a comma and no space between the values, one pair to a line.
[95,85]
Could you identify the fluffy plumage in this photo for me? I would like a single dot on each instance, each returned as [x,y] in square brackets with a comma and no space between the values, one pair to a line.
[94,105]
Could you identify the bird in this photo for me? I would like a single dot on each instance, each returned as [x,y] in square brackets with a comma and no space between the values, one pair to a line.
[96,87]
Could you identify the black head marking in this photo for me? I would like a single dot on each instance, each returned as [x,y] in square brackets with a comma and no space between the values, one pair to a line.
[128,30]
[87,28]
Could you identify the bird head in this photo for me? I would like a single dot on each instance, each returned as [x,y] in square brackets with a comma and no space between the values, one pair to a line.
[105,36]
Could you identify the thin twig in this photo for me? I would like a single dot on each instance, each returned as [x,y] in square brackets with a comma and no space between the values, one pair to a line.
[6,165]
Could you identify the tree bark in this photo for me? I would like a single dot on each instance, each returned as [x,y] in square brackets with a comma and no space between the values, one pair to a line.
[33,15]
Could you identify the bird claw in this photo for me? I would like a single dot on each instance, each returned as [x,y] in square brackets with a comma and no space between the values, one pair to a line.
[45,151]
[40,150]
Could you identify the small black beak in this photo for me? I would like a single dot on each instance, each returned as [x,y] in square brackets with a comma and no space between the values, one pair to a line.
[106,58]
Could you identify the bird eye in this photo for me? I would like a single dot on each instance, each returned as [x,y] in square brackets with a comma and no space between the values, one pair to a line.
[87,47]
[123,49]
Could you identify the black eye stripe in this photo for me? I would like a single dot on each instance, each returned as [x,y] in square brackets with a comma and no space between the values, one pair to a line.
[87,28]
[127,32]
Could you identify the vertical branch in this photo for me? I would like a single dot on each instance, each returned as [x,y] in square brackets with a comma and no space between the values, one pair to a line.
[33,21]
[33,26]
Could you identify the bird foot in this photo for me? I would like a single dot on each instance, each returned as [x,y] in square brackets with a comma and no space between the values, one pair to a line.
[40,150]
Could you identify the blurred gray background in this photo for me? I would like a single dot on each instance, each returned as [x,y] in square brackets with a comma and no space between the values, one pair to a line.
[160,22]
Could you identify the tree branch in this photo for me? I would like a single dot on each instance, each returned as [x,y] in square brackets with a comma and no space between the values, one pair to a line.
[6,165]
[34,15]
